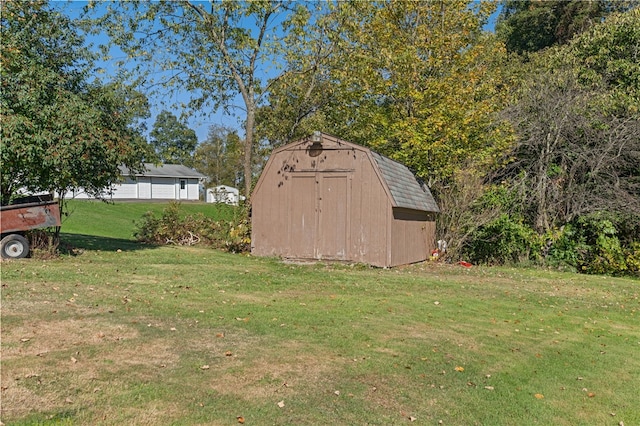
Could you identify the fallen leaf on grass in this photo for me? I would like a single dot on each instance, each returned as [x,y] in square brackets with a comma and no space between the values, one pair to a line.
[591,394]
[24,340]
[460,369]
[240,419]
[220,335]
[539,396]
[204,367]
[281,404]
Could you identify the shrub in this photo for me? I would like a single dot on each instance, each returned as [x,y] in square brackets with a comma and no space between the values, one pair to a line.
[593,244]
[504,241]
[172,228]
[43,243]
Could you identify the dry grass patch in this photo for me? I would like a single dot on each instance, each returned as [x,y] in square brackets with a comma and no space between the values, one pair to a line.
[283,370]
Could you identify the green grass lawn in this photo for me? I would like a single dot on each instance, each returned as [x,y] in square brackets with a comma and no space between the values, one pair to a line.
[96,225]
[190,335]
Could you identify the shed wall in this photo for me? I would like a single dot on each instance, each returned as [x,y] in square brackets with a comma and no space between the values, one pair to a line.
[413,236]
[329,205]
[332,203]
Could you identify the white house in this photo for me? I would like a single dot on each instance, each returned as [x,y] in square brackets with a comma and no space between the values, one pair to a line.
[164,182]
[224,194]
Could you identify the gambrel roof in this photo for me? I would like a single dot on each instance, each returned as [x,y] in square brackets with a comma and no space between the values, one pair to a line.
[406,190]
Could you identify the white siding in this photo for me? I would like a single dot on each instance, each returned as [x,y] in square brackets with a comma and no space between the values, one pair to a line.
[193,189]
[223,194]
[144,188]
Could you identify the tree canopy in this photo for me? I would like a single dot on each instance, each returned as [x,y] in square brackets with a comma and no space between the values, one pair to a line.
[60,130]
[173,142]
[220,51]
[219,157]
[530,25]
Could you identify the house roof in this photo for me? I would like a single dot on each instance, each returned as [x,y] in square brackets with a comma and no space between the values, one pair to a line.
[224,188]
[406,190]
[165,170]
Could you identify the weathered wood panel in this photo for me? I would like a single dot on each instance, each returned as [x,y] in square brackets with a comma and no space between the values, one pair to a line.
[330,201]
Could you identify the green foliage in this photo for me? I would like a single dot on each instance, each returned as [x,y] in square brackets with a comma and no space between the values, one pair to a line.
[529,26]
[173,141]
[577,122]
[607,57]
[594,244]
[421,83]
[504,241]
[60,130]
[217,51]
[172,227]
[219,157]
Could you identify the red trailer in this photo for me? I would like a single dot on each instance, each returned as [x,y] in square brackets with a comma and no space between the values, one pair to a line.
[18,218]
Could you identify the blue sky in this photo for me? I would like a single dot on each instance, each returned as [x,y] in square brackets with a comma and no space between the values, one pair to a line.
[200,124]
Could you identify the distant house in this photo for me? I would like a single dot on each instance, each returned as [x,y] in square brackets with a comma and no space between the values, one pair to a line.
[326,198]
[163,182]
[224,194]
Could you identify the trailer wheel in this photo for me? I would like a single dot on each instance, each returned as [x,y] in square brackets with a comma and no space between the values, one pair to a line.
[14,246]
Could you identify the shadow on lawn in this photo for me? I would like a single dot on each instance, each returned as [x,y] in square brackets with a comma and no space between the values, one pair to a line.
[71,242]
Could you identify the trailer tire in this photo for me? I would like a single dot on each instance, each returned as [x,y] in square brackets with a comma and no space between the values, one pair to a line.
[14,246]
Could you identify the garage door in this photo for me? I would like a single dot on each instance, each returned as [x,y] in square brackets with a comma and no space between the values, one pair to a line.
[163,188]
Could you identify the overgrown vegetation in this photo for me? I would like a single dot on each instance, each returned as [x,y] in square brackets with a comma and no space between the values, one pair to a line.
[172,227]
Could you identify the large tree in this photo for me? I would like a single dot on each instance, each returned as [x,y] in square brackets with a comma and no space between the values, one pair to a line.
[60,130]
[421,82]
[219,157]
[173,142]
[223,52]
[578,123]
[532,25]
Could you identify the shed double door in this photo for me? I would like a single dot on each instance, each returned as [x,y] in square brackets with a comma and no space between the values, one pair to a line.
[319,215]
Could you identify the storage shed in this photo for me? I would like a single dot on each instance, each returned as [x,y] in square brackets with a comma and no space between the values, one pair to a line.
[326,198]
[224,194]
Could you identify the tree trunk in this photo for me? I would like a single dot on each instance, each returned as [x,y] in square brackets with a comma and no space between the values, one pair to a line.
[248,150]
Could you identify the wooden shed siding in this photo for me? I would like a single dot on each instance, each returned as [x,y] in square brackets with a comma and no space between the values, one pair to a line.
[270,227]
[406,225]
[331,203]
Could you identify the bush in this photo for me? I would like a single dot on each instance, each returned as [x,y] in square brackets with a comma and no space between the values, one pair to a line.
[594,244]
[172,228]
[504,241]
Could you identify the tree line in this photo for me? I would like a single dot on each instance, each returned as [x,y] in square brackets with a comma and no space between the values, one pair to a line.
[528,135]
